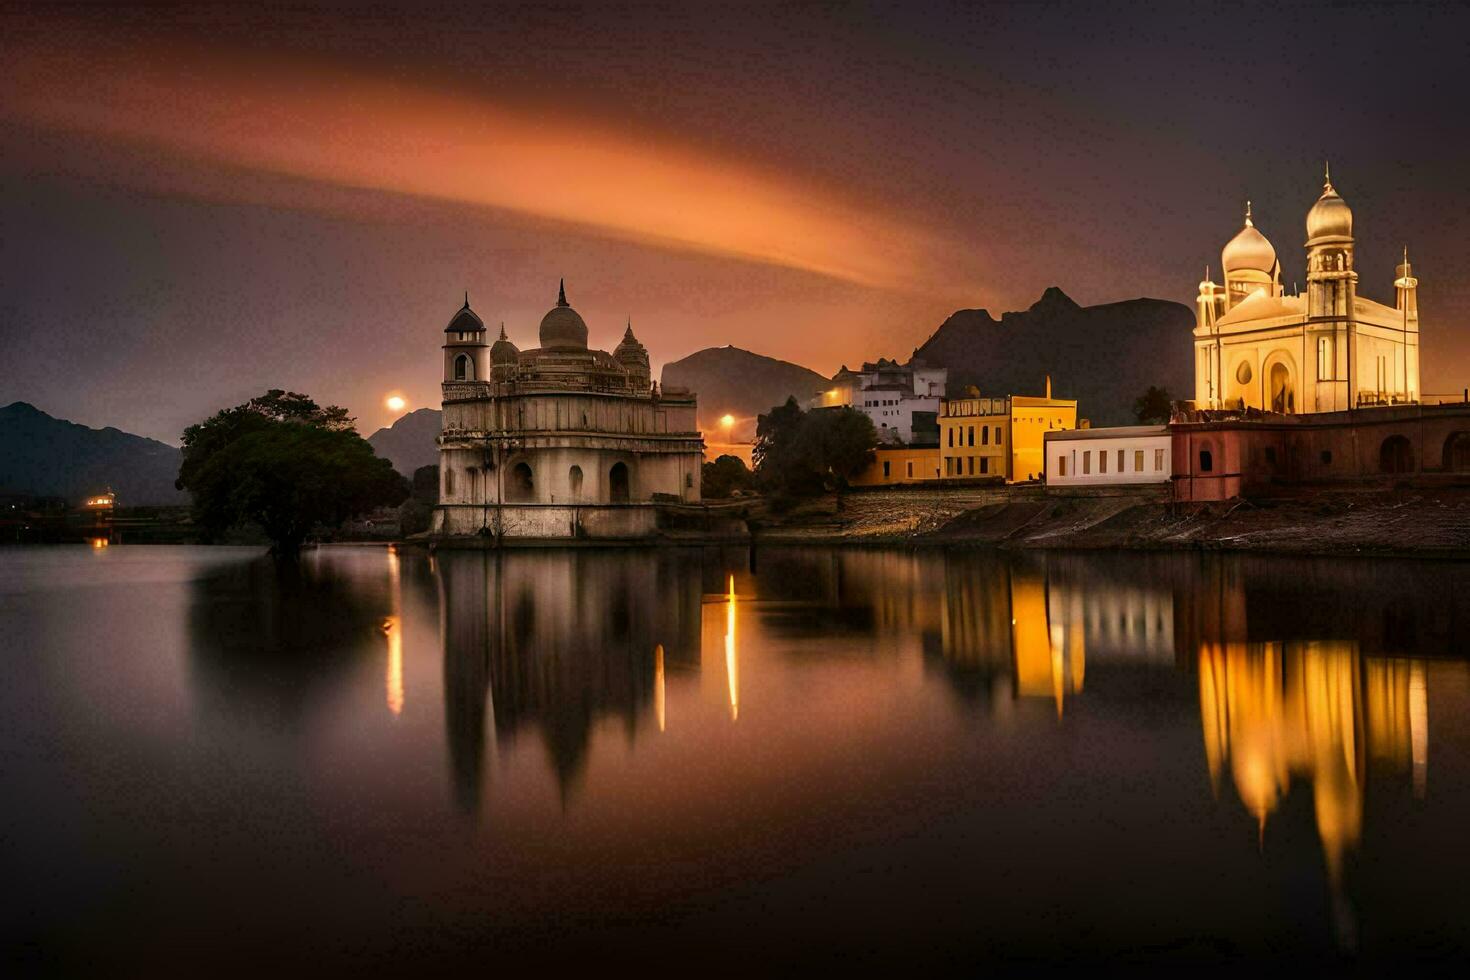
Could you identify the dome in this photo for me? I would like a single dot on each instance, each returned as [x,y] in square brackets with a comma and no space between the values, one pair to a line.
[465,320]
[503,351]
[1249,249]
[563,326]
[1330,218]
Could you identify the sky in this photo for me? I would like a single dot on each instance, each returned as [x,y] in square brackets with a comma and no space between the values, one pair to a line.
[200,202]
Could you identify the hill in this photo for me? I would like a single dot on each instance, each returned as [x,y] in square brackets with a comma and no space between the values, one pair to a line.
[729,380]
[50,457]
[1104,356]
[409,442]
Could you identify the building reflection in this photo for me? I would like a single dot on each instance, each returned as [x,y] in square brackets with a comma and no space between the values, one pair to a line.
[555,642]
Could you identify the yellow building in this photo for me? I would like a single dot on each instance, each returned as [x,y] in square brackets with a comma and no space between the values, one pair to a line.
[1323,350]
[900,464]
[1000,437]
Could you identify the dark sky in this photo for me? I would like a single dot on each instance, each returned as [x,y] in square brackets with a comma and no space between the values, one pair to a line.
[200,203]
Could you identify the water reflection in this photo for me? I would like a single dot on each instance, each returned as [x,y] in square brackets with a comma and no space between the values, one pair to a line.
[555,642]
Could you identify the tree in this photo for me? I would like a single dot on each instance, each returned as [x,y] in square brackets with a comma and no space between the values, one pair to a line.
[800,453]
[724,476]
[286,464]
[1153,406]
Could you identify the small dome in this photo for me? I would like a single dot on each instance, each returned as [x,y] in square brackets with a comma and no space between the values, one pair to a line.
[1330,218]
[503,351]
[563,326]
[1249,249]
[465,320]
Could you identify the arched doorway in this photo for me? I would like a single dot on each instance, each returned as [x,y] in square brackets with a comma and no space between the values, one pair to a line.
[1457,452]
[575,479]
[1280,393]
[521,486]
[1396,455]
[617,483]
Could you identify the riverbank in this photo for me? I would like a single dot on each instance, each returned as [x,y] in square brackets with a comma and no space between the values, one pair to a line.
[1431,523]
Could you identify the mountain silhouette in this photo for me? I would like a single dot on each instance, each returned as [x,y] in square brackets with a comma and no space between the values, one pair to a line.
[50,457]
[409,442]
[732,381]
[1104,356]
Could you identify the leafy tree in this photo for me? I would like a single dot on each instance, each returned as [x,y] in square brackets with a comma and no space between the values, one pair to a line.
[1153,406]
[416,513]
[800,453]
[286,464]
[724,476]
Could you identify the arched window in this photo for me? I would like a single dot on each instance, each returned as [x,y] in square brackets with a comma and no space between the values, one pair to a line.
[448,482]
[1457,452]
[575,479]
[464,369]
[617,483]
[1206,461]
[521,487]
[1396,455]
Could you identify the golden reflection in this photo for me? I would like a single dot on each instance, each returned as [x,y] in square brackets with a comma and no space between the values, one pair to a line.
[1049,658]
[99,543]
[1315,710]
[732,663]
[1419,727]
[659,704]
[393,630]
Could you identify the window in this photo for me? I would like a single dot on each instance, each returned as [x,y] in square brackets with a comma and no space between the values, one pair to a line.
[1326,362]
[1061,466]
[949,466]
[1086,461]
[885,469]
[462,370]
[448,482]
[1121,467]
[1102,460]
[909,469]
[972,465]
[1206,461]
[984,464]
[984,435]
[1326,457]
[997,435]
[972,435]
[1138,460]
[1158,460]
[951,438]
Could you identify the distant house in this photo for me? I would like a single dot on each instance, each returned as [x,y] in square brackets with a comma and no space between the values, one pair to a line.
[901,399]
[1118,456]
[900,464]
[1002,436]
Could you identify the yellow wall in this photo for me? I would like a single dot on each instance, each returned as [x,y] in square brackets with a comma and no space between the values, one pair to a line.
[1007,435]
[925,464]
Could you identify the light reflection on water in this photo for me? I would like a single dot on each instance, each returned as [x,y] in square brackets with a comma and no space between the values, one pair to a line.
[1185,755]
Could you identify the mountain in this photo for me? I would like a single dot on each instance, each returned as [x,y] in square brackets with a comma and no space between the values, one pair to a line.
[409,442]
[52,457]
[1103,356]
[731,381]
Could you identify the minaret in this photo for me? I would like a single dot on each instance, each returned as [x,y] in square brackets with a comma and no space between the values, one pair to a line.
[465,352]
[1406,301]
[1332,286]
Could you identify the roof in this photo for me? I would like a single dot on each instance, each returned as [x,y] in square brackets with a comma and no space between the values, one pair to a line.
[465,320]
[1113,432]
[1261,305]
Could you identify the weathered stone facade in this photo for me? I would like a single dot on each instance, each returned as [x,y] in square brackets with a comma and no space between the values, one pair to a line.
[559,441]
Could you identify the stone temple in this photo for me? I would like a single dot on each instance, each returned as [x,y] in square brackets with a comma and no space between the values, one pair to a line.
[559,441]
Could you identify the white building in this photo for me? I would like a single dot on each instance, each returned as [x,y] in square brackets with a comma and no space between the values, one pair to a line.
[561,440]
[892,395]
[1129,454]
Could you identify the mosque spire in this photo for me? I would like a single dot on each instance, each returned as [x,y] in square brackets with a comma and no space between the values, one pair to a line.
[1327,175]
[466,299]
[502,331]
[1248,222]
[561,294]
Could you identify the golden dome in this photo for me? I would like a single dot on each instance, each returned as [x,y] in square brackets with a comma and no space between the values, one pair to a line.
[1249,249]
[1330,219]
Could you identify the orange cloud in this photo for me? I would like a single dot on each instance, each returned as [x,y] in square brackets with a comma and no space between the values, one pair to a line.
[353,130]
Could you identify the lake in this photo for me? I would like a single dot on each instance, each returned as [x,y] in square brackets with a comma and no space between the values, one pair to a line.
[726,760]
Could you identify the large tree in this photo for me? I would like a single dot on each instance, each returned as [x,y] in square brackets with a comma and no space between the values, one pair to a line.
[803,453]
[722,477]
[286,464]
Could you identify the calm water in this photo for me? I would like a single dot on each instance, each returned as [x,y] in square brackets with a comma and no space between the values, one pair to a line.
[719,760]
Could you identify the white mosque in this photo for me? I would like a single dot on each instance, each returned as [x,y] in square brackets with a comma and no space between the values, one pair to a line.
[1323,351]
[558,441]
